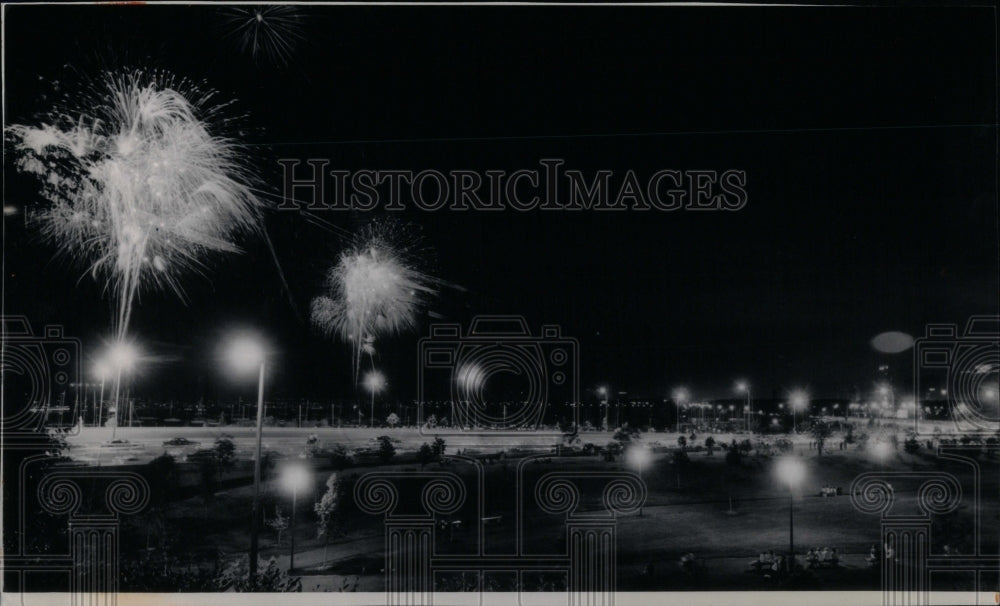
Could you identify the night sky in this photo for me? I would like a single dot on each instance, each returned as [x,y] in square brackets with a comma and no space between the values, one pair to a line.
[868,136]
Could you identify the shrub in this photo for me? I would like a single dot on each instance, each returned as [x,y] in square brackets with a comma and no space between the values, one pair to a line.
[386,451]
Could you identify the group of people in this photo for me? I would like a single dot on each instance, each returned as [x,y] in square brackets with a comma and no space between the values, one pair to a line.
[819,557]
[767,562]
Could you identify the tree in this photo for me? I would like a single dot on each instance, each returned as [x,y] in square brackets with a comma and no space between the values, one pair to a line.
[425,454]
[312,445]
[327,510]
[437,447]
[279,522]
[392,420]
[709,444]
[911,445]
[820,432]
[682,441]
[432,421]
[225,452]
[386,451]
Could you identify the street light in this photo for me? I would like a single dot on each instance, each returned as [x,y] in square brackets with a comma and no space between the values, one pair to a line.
[638,457]
[744,387]
[103,372]
[603,392]
[374,383]
[790,471]
[122,357]
[680,398]
[799,400]
[246,354]
[294,479]
[881,450]
[885,390]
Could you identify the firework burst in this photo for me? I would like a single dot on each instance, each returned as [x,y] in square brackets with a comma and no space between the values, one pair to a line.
[266,32]
[374,290]
[136,183]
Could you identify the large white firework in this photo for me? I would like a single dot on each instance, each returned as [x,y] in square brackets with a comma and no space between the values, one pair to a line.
[137,185]
[374,290]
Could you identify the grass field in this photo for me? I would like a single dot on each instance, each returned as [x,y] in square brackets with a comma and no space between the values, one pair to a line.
[725,515]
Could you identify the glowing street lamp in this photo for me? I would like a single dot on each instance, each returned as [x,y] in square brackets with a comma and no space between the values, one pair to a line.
[374,383]
[603,392]
[245,354]
[881,450]
[294,479]
[790,471]
[103,372]
[680,398]
[744,387]
[638,457]
[798,400]
[886,391]
[122,358]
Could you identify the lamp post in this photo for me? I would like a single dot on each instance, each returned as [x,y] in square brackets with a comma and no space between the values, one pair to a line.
[102,371]
[123,355]
[603,392]
[790,471]
[744,388]
[638,457]
[374,382]
[799,400]
[680,397]
[887,392]
[295,478]
[246,354]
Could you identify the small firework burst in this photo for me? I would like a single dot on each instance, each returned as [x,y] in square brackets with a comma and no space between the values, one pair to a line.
[375,289]
[267,33]
[136,184]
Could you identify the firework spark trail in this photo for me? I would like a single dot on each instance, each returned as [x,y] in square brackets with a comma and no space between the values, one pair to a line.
[137,185]
[270,32]
[374,290]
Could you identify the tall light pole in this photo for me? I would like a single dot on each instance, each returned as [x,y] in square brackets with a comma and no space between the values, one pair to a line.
[603,392]
[799,400]
[744,388]
[295,478]
[102,371]
[680,397]
[374,382]
[123,356]
[246,354]
[791,471]
[638,457]
[887,392]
